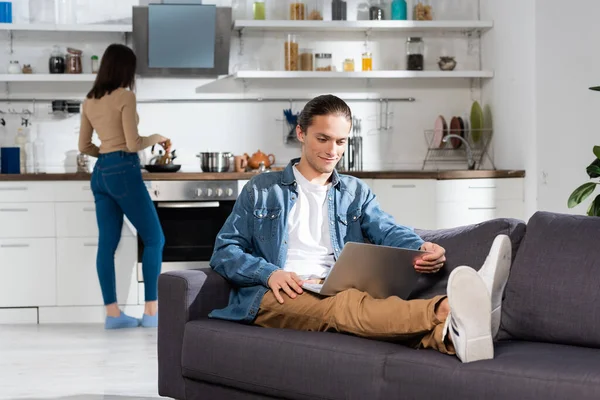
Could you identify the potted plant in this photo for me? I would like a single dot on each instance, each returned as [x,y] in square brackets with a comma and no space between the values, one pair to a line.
[585,190]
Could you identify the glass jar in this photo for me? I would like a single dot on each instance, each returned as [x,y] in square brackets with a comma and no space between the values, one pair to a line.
[415,50]
[56,63]
[291,53]
[423,10]
[297,10]
[367,61]
[399,10]
[306,60]
[338,10]
[315,10]
[259,10]
[323,62]
[14,67]
[73,64]
[95,64]
[376,10]
[349,65]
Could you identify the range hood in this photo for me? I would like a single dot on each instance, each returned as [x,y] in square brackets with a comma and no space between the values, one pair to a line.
[182,40]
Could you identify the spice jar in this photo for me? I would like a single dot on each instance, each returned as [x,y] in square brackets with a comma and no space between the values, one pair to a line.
[423,11]
[349,65]
[95,64]
[415,48]
[323,62]
[297,10]
[376,10]
[306,60]
[291,53]
[315,10]
[74,65]
[367,61]
[259,10]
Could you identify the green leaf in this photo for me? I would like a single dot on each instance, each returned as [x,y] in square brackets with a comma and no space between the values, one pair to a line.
[581,193]
[597,151]
[595,88]
[594,210]
[593,170]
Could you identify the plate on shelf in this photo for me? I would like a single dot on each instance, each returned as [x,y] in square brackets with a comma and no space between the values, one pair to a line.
[466,120]
[476,122]
[456,128]
[440,129]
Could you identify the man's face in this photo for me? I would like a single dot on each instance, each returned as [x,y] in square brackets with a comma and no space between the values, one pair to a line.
[324,142]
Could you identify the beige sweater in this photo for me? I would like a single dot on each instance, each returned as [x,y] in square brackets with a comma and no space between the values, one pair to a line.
[114,118]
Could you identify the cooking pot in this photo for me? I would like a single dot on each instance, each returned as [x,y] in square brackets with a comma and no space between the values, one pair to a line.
[215,161]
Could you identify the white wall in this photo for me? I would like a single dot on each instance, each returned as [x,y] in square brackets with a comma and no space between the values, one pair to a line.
[249,126]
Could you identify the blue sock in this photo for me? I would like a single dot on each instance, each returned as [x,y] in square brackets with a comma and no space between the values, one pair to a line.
[150,321]
[122,321]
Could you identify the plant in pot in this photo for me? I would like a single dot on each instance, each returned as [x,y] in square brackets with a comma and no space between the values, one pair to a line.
[584,191]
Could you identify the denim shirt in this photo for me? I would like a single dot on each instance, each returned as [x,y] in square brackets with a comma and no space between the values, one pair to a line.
[253,242]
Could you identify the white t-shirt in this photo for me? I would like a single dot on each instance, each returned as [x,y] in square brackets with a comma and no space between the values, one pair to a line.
[310,253]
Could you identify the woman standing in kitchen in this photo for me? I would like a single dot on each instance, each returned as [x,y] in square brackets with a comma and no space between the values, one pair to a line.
[110,110]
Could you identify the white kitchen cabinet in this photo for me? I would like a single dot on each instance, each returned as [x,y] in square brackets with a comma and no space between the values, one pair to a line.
[79,220]
[77,279]
[471,201]
[28,272]
[27,220]
[31,192]
[410,201]
[73,191]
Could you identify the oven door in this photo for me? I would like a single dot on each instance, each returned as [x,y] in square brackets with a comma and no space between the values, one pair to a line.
[190,229]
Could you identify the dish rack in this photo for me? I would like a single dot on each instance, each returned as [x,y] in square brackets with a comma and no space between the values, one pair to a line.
[445,153]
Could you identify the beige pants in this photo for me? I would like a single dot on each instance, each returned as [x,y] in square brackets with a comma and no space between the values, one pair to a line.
[393,319]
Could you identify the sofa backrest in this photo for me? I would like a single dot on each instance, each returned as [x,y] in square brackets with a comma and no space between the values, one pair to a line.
[553,291]
[465,245]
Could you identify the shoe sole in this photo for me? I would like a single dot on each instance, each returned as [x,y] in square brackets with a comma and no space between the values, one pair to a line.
[471,313]
[501,251]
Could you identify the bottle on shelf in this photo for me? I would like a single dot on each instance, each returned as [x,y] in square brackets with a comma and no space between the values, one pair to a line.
[39,153]
[399,10]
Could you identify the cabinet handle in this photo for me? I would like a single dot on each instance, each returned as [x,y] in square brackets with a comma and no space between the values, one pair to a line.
[6,189]
[482,187]
[482,208]
[13,246]
[14,209]
[404,186]
[89,209]
[90,245]
[86,188]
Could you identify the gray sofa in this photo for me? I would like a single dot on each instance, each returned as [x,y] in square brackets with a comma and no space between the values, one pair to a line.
[549,345]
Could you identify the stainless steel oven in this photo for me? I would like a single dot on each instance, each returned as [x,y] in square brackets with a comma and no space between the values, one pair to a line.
[191,214]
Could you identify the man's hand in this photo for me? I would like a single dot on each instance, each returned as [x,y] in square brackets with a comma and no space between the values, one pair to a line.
[431,263]
[289,282]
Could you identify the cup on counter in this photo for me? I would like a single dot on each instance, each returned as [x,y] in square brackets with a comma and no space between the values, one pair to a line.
[11,160]
[240,163]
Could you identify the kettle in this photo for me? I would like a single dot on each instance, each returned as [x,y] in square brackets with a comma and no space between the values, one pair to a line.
[254,162]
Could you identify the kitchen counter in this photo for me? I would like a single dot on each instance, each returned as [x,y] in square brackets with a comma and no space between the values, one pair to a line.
[189,176]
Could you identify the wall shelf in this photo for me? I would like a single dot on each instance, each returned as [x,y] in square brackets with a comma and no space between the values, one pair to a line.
[67,28]
[361,74]
[361,26]
[47,77]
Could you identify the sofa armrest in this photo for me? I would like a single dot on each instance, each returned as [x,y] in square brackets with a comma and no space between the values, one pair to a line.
[183,296]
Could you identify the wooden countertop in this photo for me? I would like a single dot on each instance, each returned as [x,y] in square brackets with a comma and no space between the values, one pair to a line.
[190,176]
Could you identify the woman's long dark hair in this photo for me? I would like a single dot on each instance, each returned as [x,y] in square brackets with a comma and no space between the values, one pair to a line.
[117,70]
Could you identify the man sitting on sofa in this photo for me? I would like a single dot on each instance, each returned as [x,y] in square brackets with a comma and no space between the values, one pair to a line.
[289,227]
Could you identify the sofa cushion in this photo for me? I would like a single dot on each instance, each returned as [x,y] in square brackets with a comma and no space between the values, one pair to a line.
[282,362]
[520,370]
[553,294]
[465,245]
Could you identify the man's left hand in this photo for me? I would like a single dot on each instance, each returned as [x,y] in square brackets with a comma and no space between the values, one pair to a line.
[431,263]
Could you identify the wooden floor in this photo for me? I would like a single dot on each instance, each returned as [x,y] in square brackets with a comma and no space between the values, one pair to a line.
[77,362]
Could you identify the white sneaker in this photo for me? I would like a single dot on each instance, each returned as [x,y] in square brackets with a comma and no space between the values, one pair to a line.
[469,321]
[494,273]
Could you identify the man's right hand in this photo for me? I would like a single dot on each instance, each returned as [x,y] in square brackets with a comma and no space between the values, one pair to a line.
[289,282]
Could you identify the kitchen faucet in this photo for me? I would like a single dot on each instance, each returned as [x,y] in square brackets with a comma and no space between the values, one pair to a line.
[470,161]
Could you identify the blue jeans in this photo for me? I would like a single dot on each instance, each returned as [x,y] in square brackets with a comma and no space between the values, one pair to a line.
[119,190]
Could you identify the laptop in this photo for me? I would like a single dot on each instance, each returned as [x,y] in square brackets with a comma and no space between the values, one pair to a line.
[380,271]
